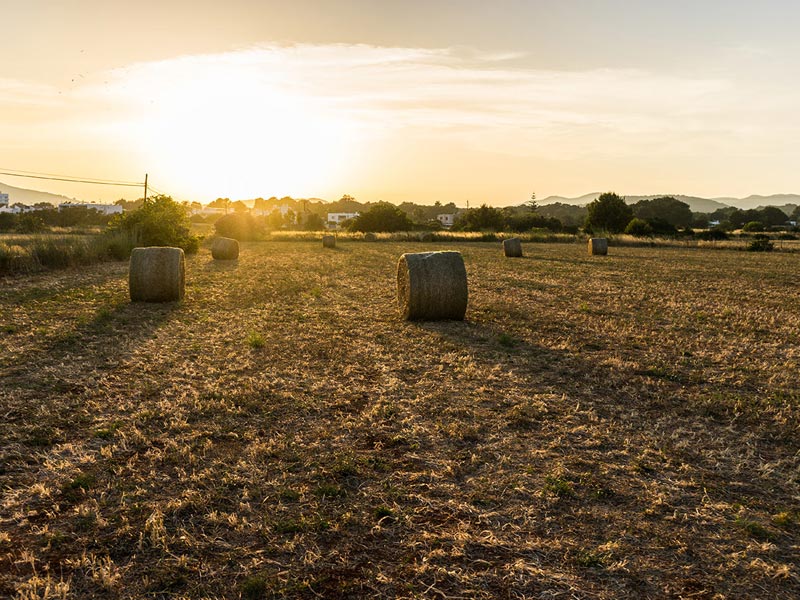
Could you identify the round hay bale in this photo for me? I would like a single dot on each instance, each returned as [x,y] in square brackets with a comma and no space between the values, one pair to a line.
[225,249]
[512,247]
[156,274]
[598,246]
[329,241]
[370,237]
[432,286]
[426,237]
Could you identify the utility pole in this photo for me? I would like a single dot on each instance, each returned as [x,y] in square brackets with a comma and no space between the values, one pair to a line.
[145,187]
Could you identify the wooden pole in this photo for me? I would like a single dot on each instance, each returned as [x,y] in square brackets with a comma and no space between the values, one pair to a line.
[145,187]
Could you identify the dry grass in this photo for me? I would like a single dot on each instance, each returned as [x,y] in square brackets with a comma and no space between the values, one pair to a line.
[616,428]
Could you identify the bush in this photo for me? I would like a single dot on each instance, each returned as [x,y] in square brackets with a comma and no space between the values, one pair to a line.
[519,223]
[760,243]
[662,227]
[639,228]
[159,222]
[753,226]
[8,222]
[712,235]
[313,222]
[239,226]
[30,223]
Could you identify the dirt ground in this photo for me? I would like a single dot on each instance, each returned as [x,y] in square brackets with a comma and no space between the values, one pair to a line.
[598,427]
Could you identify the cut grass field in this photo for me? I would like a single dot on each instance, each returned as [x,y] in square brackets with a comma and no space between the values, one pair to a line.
[599,427]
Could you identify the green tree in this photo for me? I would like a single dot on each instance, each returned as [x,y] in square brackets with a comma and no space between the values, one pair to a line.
[667,208]
[382,216]
[772,216]
[639,228]
[608,213]
[483,218]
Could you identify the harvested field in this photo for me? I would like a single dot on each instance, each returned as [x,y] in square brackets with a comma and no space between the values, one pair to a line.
[624,428]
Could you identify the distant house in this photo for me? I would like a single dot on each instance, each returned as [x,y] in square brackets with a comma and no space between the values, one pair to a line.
[3,200]
[446,219]
[106,209]
[206,210]
[336,219]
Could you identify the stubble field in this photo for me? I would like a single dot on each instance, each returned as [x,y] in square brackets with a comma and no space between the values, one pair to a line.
[599,427]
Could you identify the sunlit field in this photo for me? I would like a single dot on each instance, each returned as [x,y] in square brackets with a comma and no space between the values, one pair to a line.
[599,427]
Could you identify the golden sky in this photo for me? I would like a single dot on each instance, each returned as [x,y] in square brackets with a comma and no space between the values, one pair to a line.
[420,101]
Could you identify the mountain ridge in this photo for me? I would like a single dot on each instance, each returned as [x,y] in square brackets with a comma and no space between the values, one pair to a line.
[696,203]
[31,197]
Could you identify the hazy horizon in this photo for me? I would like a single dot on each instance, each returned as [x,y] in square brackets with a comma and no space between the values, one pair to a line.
[418,102]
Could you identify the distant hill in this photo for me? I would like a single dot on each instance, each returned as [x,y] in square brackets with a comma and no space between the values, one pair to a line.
[701,205]
[31,197]
[756,201]
[704,205]
[786,202]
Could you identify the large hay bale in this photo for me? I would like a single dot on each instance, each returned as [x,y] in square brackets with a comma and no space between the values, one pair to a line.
[225,249]
[432,286]
[598,246]
[512,247]
[329,241]
[156,274]
[370,237]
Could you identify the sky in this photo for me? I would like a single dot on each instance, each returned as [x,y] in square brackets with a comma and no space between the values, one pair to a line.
[418,101]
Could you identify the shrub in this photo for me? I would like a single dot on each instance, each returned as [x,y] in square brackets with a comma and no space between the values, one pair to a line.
[8,221]
[712,235]
[528,221]
[753,226]
[313,222]
[639,228]
[760,243]
[159,222]
[662,227]
[239,226]
[30,223]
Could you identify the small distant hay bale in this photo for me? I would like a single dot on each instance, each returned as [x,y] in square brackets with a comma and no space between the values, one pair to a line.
[225,249]
[426,237]
[598,246]
[432,286]
[329,241]
[512,247]
[370,237]
[157,274]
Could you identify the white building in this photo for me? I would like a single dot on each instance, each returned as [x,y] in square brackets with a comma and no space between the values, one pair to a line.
[106,209]
[335,219]
[446,219]
[3,200]
[207,210]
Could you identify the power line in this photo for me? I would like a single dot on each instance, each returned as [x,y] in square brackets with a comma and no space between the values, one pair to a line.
[68,178]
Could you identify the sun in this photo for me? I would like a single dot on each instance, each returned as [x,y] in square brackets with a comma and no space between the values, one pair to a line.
[235,135]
